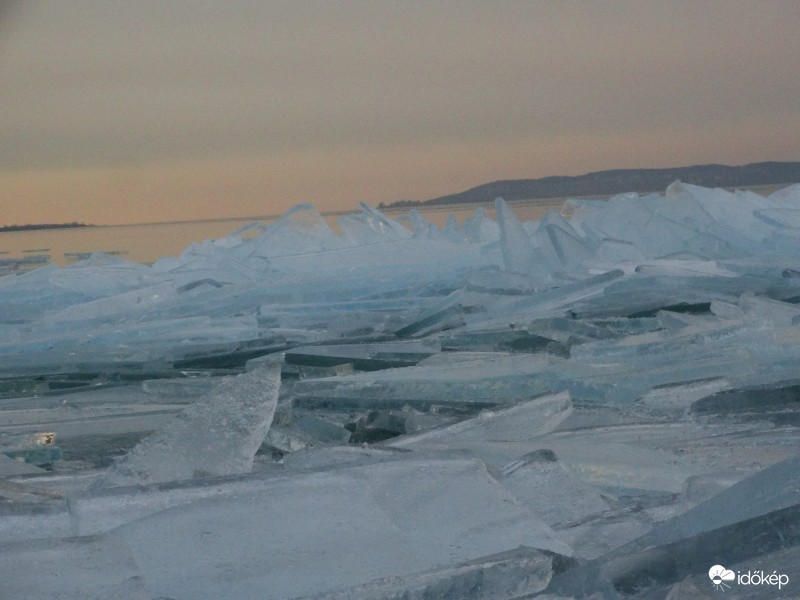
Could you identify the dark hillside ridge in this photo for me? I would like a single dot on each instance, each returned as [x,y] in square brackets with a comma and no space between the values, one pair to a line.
[619,181]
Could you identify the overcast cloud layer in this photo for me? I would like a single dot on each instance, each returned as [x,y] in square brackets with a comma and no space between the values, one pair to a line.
[127,111]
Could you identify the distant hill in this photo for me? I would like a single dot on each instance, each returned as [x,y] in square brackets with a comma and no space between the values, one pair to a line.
[620,181]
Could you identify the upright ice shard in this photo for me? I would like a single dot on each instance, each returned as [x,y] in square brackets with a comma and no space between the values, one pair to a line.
[519,255]
[217,435]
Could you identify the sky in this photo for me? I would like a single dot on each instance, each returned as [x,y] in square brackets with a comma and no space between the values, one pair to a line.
[114,111]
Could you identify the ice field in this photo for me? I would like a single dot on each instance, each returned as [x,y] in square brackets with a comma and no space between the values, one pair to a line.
[604,403]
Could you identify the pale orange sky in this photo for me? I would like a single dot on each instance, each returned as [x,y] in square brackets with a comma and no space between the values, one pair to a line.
[119,112]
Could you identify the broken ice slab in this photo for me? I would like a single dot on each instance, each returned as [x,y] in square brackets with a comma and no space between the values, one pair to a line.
[644,295]
[743,353]
[18,387]
[602,371]
[22,493]
[24,519]
[362,273]
[309,324]
[504,308]
[623,468]
[553,336]
[379,425]
[766,309]
[466,386]
[423,229]
[180,387]
[494,432]
[644,572]
[342,456]
[119,347]
[556,301]
[91,425]
[677,320]
[638,456]
[12,466]
[218,434]
[622,371]
[659,457]
[685,216]
[124,306]
[676,400]
[365,357]
[481,229]
[292,431]
[543,484]
[504,576]
[615,252]
[306,371]
[701,487]
[300,230]
[215,262]
[559,240]
[778,402]
[465,342]
[772,489]
[26,297]
[784,218]
[71,569]
[279,533]
[757,515]
[570,331]
[520,422]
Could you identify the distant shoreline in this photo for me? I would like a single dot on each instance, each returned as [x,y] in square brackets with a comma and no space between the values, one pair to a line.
[616,181]
[34,227]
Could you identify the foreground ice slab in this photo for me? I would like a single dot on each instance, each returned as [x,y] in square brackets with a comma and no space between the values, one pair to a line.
[217,435]
[285,536]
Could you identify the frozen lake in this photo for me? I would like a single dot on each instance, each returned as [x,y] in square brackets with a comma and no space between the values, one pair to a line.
[146,242]
[598,402]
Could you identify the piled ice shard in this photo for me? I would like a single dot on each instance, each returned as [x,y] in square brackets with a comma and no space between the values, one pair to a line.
[604,403]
